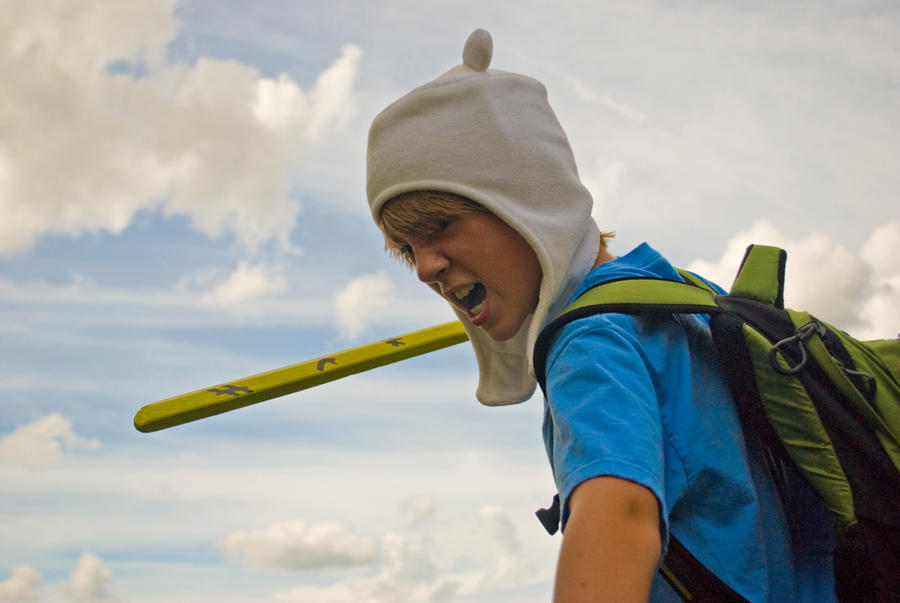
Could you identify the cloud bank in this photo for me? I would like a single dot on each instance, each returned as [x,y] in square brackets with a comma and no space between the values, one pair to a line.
[294,545]
[376,299]
[856,291]
[22,585]
[40,444]
[418,565]
[98,126]
[89,581]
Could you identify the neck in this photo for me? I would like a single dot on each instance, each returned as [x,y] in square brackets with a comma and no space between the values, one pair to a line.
[603,256]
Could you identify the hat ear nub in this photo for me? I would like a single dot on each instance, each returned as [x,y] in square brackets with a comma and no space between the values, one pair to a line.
[478,50]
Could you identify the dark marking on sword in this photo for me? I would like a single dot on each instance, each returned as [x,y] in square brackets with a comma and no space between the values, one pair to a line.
[231,390]
[320,366]
[396,341]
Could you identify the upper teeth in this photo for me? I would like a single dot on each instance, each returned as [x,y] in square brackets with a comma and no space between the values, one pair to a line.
[463,291]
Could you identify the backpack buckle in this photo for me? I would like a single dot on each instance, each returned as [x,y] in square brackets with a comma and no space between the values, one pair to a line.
[801,335]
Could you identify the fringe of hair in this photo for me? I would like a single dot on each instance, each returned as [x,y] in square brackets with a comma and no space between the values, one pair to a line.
[425,214]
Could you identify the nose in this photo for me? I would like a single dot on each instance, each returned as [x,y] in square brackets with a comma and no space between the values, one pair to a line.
[430,263]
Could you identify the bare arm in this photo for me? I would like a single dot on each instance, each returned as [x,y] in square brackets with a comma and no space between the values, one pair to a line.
[611,545]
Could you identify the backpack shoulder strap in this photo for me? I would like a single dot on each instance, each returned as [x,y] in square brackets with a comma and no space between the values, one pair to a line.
[761,275]
[688,577]
[693,581]
[629,296]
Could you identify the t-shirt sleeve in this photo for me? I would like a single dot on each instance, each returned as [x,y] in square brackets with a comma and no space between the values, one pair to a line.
[603,406]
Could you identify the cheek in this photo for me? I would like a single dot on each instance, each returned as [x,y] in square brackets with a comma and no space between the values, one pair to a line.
[534,286]
[530,275]
[527,266]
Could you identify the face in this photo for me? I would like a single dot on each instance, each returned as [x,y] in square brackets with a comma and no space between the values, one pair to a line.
[481,266]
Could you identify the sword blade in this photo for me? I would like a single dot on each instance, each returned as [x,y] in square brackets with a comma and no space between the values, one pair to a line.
[243,392]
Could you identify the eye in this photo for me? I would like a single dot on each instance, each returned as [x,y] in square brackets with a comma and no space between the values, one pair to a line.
[404,252]
[436,229]
[400,250]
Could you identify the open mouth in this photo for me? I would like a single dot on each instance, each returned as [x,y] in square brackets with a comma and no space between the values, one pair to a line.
[471,297]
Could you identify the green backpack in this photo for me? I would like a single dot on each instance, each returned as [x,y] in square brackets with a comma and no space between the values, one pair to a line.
[809,394]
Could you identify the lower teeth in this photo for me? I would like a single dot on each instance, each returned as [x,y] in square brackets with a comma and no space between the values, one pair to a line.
[477,309]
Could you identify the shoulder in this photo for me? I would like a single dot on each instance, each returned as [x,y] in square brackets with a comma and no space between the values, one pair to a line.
[641,262]
[608,353]
[600,334]
[615,343]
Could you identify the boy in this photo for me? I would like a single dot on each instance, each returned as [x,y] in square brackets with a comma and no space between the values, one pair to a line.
[472,180]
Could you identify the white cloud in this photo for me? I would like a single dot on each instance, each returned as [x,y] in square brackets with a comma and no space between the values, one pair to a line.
[40,444]
[361,301]
[424,565]
[420,508]
[331,100]
[881,311]
[501,528]
[821,275]
[86,147]
[22,585]
[294,545]
[858,292]
[336,593]
[251,290]
[281,105]
[605,184]
[89,581]
[584,92]
[512,566]
[248,282]
[882,250]
[407,574]
[408,570]
[778,132]
[375,298]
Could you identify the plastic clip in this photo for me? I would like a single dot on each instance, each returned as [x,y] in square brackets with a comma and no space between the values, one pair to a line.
[813,327]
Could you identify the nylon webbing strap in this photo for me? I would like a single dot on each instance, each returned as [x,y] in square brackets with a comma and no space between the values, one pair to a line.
[654,295]
[619,296]
[761,275]
[692,580]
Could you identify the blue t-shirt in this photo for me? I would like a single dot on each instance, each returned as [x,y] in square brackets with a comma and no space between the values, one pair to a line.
[643,399]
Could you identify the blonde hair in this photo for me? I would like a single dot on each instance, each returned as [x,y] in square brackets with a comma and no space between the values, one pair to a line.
[422,214]
[425,214]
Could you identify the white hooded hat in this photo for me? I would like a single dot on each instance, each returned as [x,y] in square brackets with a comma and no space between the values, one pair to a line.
[491,136]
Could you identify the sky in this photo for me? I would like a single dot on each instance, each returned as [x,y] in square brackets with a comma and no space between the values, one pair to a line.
[182,204]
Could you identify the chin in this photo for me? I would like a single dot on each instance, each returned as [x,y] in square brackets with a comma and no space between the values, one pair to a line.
[500,336]
[503,333]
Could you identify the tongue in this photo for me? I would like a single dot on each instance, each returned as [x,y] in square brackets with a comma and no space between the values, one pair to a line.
[475,296]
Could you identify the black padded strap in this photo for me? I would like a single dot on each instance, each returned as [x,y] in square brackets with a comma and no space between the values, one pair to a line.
[692,580]
[689,578]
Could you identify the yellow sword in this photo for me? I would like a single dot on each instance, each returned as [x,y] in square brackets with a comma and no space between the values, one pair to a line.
[289,379]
